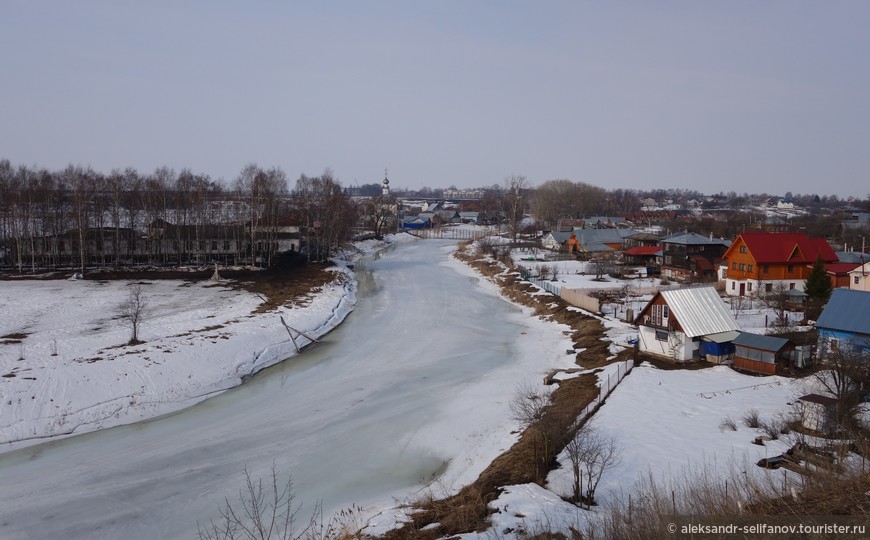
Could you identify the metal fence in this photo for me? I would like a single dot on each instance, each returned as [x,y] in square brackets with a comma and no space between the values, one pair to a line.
[548,286]
[607,387]
[449,233]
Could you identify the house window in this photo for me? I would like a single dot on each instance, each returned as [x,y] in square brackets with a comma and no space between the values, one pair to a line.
[661,335]
[763,268]
[742,249]
[665,312]
[733,285]
[226,245]
[790,268]
[734,266]
[742,267]
[749,268]
[749,286]
[791,286]
[657,315]
[855,280]
[768,287]
[214,245]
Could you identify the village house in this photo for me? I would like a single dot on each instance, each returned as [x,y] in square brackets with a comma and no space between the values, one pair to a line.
[687,324]
[602,240]
[642,239]
[859,277]
[646,256]
[690,255]
[756,262]
[839,273]
[844,324]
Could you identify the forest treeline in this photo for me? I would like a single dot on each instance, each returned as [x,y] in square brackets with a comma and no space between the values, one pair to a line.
[78,217]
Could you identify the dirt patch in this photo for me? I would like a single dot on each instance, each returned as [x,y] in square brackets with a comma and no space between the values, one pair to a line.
[12,339]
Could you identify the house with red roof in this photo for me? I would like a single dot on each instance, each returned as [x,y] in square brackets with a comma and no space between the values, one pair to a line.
[757,261]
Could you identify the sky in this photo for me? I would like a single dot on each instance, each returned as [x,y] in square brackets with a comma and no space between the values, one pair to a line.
[714,96]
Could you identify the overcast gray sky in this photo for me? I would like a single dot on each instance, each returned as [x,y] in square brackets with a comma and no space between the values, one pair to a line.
[715,96]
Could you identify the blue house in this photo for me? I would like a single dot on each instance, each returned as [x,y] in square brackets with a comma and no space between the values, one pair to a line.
[845,322]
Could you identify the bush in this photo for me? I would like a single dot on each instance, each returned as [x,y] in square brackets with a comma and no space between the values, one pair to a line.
[772,428]
[728,424]
[751,419]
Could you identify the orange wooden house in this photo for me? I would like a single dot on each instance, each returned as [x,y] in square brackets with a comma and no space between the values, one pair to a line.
[756,261]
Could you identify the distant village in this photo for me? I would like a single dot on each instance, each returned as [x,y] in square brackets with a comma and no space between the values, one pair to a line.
[801,254]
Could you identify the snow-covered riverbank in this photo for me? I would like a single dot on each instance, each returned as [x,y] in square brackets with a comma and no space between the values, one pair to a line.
[66,368]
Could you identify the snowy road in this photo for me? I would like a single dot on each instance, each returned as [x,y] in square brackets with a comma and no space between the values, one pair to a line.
[414,386]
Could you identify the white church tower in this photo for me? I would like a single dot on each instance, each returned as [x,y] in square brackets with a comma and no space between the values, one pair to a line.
[386,185]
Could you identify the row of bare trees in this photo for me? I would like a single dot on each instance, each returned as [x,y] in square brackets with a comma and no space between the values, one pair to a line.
[78,217]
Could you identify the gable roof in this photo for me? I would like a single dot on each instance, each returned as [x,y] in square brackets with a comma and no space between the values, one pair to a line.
[795,248]
[848,310]
[560,236]
[699,310]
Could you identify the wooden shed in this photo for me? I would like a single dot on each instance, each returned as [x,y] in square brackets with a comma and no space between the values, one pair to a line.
[818,412]
[763,354]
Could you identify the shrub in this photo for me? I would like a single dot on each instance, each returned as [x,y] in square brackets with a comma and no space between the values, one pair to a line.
[728,424]
[751,419]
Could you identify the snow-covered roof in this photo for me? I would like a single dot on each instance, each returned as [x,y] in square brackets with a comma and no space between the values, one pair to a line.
[700,311]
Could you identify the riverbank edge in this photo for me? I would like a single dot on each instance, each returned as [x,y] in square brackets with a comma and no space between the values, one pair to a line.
[268,355]
[468,509]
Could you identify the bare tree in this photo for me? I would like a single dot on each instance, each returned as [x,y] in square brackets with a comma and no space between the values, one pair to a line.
[530,407]
[133,311]
[379,212]
[591,454]
[262,513]
[845,374]
[602,263]
[514,197]
[778,301]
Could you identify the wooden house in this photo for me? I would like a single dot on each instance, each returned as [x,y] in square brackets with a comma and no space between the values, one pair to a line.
[687,324]
[691,256]
[756,262]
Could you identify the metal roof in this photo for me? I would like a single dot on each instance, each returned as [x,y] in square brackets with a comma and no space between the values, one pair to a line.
[848,311]
[700,311]
[694,239]
[723,337]
[756,341]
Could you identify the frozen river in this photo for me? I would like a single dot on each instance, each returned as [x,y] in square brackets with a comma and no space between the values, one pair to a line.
[415,385]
